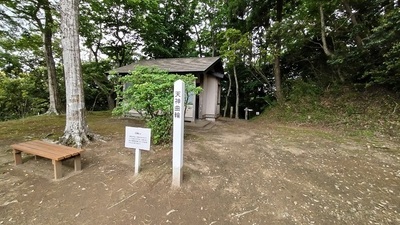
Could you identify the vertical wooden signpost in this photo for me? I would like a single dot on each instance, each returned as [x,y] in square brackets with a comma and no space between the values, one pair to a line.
[178,131]
[139,139]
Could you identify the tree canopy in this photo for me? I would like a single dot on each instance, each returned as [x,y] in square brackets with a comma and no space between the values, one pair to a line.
[269,45]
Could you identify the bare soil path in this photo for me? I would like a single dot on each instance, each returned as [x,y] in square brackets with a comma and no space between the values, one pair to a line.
[236,172]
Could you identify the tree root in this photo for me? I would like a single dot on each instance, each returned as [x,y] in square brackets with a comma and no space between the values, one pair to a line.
[52,112]
[77,139]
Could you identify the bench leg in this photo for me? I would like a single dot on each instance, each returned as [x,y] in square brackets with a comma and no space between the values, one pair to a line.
[17,157]
[77,163]
[57,169]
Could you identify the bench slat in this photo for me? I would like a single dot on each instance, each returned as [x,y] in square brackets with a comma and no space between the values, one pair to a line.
[36,147]
[55,152]
[37,151]
[58,148]
[47,150]
[63,147]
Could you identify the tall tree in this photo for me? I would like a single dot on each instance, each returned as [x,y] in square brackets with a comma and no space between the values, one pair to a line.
[111,27]
[235,49]
[277,53]
[47,30]
[76,130]
[209,21]
[354,21]
[167,27]
[384,47]
[31,12]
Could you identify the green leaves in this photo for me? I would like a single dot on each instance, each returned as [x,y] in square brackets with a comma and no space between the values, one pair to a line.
[235,45]
[384,46]
[111,28]
[19,97]
[149,91]
[166,28]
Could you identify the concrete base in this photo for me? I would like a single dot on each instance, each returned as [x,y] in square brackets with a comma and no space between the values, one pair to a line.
[177,176]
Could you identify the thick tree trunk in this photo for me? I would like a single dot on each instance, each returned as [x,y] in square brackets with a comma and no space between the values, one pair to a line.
[237,93]
[76,131]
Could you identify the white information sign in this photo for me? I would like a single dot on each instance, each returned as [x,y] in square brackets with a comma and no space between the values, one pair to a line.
[137,137]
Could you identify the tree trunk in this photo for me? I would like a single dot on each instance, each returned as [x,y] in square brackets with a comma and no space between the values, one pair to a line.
[278,80]
[54,107]
[237,93]
[277,63]
[323,33]
[325,47]
[55,103]
[76,131]
[353,19]
[227,95]
[108,92]
[111,101]
[198,41]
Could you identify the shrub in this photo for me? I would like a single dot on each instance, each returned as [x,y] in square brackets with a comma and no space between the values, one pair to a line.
[149,91]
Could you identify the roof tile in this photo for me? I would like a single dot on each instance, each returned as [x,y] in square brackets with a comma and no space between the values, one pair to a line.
[173,65]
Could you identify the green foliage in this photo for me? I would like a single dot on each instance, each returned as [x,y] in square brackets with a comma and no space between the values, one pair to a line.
[166,29]
[23,86]
[384,46]
[98,89]
[111,27]
[235,46]
[304,102]
[373,111]
[300,90]
[149,91]
[241,31]
[19,97]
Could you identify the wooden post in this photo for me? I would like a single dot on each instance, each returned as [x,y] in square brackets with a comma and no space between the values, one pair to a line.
[231,112]
[57,169]
[246,113]
[17,157]
[178,131]
[77,163]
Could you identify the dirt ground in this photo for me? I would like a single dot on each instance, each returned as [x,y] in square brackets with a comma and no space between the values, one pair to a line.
[235,172]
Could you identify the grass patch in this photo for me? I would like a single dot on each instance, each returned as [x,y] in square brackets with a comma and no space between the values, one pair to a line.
[52,127]
[34,127]
[364,113]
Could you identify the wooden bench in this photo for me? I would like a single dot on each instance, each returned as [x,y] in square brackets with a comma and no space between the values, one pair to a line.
[57,153]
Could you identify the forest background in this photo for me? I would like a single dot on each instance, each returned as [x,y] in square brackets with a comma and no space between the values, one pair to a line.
[304,58]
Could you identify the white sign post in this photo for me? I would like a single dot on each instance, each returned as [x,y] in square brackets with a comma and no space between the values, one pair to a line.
[137,138]
[178,131]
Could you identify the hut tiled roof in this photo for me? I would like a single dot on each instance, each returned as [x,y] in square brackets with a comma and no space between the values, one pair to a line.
[174,65]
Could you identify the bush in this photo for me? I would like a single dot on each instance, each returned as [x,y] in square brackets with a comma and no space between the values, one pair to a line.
[149,91]
[302,91]
[19,97]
